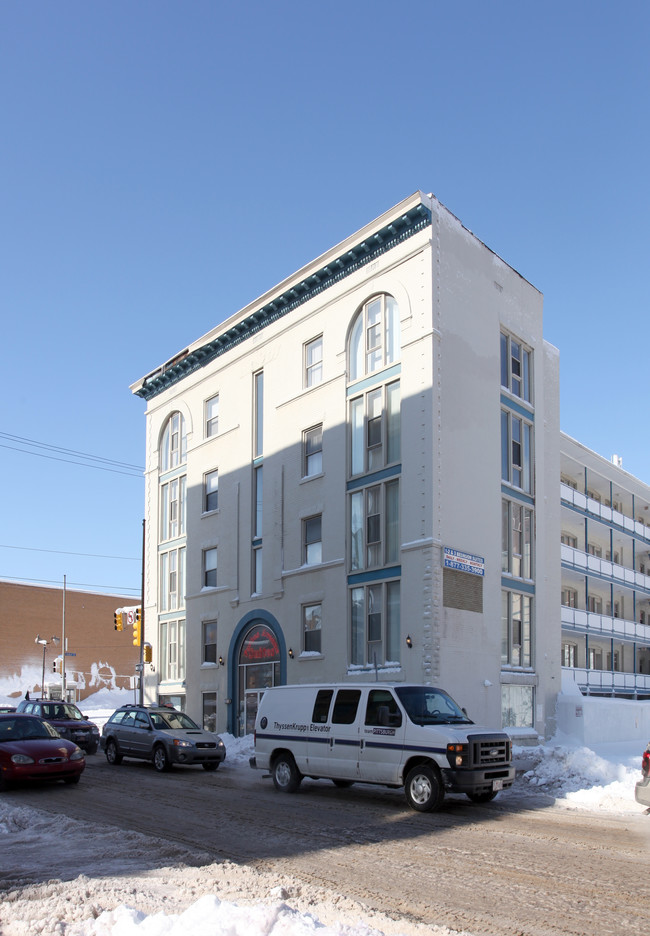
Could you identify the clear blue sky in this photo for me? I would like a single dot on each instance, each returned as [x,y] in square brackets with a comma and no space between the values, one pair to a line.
[164,163]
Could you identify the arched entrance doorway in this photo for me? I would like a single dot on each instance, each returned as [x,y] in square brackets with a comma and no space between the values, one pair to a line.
[259,667]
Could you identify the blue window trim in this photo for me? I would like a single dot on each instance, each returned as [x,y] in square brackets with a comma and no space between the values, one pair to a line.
[375,575]
[384,376]
[517,585]
[517,408]
[365,480]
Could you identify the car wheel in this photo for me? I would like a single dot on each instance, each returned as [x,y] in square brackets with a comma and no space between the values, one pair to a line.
[160,759]
[210,765]
[71,779]
[113,756]
[286,776]
[482,797]
[423,788]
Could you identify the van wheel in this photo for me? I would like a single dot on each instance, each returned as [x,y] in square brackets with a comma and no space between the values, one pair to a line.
[286,776]
[423,788]
[342,783]
[482,797]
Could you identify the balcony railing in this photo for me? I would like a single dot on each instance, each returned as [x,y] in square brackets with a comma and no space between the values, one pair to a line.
[589,505]
[585,562]
[604,681]
[602,625]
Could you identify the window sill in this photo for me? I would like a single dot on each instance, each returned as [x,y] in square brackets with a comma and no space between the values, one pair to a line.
[305,478]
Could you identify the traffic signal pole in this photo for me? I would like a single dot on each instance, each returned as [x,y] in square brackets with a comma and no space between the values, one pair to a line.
[141,694]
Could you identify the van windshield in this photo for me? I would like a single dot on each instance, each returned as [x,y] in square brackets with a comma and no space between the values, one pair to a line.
[426,705]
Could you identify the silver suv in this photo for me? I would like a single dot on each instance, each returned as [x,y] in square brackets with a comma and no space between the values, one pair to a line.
[161,734]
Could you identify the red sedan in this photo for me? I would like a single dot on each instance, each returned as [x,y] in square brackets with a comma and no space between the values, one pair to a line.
[30,749]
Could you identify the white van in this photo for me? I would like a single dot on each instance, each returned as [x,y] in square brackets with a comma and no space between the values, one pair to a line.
[397,735]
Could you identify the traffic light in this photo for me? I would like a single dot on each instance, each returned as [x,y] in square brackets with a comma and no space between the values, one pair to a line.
[118,620]
[57,665]
[147,656]
[137,632]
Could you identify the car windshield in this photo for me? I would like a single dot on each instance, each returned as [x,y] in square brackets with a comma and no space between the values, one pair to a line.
[426,705]
[173,720]
[25,728]
[61,710]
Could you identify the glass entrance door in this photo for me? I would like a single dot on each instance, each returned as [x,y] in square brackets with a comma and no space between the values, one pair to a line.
[259,668]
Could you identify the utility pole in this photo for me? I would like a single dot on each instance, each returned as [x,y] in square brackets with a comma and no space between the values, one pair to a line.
[64,647]
[141,696]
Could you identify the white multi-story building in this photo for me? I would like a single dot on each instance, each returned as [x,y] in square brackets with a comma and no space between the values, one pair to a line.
[605,534]
[356,476]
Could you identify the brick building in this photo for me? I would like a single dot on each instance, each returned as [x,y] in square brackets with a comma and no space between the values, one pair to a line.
[103,657]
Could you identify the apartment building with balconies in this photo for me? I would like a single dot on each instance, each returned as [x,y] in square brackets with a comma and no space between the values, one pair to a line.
[605,549]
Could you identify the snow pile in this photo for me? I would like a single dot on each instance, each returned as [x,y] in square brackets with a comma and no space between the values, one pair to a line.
[580,777]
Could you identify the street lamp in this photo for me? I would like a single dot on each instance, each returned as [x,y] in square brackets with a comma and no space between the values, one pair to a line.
[43,642]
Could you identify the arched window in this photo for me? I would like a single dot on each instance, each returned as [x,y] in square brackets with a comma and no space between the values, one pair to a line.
[374,337]
[173,448]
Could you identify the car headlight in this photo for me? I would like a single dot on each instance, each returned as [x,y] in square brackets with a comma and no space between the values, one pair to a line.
[77,754]
[179,743]
[220,743]
[21,759]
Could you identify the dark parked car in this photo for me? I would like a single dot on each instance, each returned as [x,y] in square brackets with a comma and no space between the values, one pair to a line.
[161,734]
[67,719]
[31,749]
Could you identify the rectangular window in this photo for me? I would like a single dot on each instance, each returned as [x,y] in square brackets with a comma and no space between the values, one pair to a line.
[210,711]
[172,579]
[516,451]
[515,367]
[258,414]
[375,624]
[569,540]
[209,642]
[210,568]
[312,451]
[516,539]
[311,627]
[375,429]
[312,540]
[569,654]
[256,584]
[516,629]
[211,490]
[258,500]
[345,706]
[314,362]
[172,509]
[570,597]
[212,416]
[517,706]
[374,526]
[172,650]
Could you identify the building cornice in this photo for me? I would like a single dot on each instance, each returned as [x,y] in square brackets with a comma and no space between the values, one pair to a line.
[354,258]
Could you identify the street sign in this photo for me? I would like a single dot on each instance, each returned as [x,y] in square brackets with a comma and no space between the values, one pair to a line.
[70,653]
